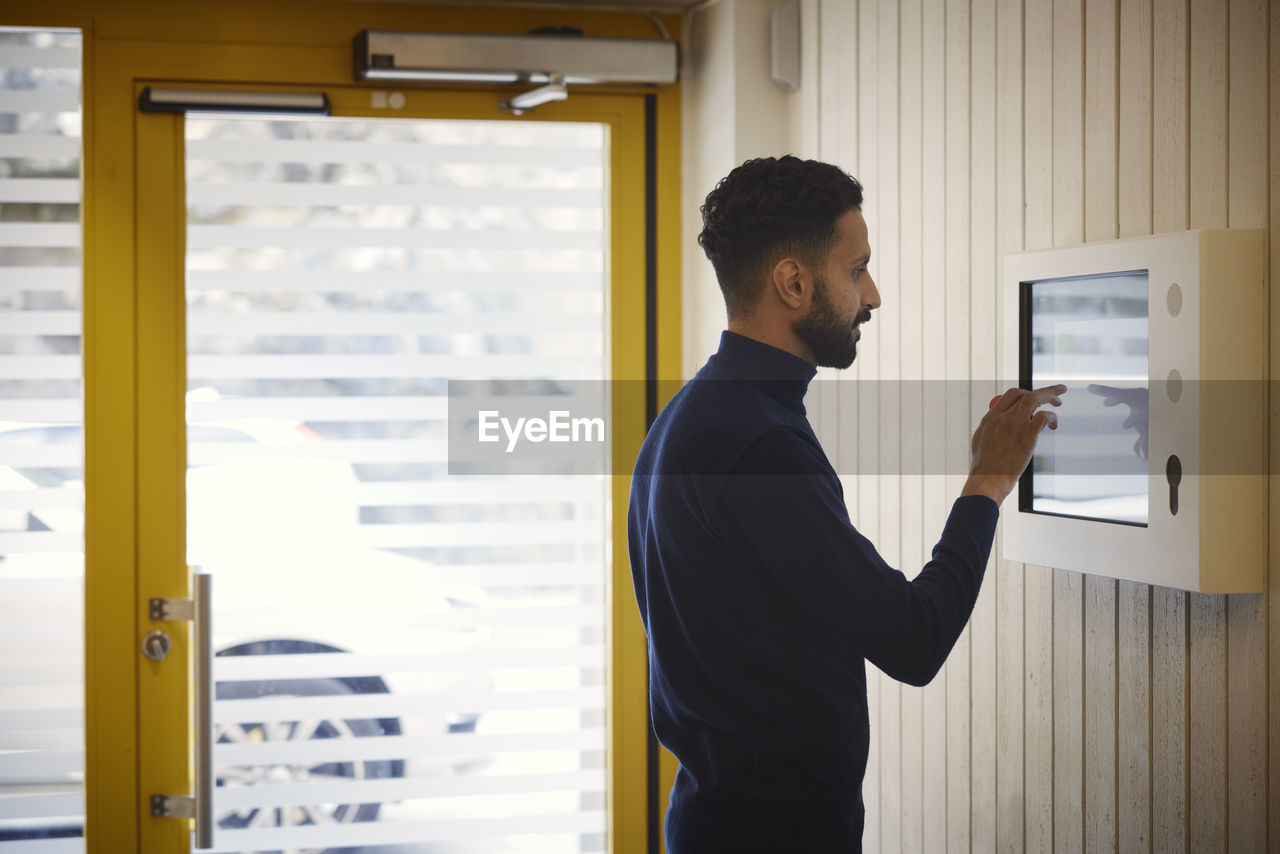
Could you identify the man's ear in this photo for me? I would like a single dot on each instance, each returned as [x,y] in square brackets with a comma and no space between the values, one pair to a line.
[789,283]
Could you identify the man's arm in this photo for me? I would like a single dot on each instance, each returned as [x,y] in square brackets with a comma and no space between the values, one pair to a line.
[782,508]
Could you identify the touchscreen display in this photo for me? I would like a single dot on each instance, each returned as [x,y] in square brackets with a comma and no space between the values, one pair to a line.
[1089,333]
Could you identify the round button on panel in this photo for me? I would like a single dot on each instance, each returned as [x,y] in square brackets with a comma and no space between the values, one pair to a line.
[1174,299]
[1173,386]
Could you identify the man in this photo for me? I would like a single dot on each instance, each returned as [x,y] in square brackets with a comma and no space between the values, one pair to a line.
[760,600]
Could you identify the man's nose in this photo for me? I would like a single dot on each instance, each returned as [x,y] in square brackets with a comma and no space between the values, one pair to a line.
[871,299]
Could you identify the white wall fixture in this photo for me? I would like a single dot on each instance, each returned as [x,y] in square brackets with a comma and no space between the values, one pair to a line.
[1158,470]
[555,59]
[785,45]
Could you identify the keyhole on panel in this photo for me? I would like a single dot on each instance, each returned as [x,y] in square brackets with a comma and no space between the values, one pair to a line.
[1173,471]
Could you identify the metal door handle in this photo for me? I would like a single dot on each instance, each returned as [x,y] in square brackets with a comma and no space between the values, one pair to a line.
[199,806]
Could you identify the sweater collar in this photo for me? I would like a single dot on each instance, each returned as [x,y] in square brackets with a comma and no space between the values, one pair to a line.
[782,375]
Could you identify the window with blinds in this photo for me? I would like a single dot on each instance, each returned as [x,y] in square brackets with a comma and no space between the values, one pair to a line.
[41,458]
[407,661]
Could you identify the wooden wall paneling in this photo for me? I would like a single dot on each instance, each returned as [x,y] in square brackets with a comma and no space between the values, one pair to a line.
[1133,721]
[960,420]
[1100,218]
[886,239]
[1099,713]
[1207,723]
[867,395]
[983,368]
[1169,617]
[1068,122]
[1247,613]
[1038,580]
[1207,689]
[911,404]
[1010,631]
[1134,109]
[1273,582]
[937,436]
[838,144]
[1068,587]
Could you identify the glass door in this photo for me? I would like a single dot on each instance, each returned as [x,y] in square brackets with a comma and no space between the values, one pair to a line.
[41,444]
[406,660]
[405,657]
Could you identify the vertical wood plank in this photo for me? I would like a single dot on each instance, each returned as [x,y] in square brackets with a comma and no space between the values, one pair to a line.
[1099,713]
[1208,125]
[1068,711]
[1038,580]
[1135,113]
[982,151]
[1273,582]
[1169,615]
[1169,664]
[1133,771]
[1133,777]
[1207,689]
[1068,122]
[959,403]
[838,85]
[1207,732]
[910,423]
[1100,223]
[1009,576]
[1068,587]
[934,339]
[867,427]
[1247,614]
[887,188]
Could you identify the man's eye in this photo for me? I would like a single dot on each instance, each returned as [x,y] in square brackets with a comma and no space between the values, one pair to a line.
[857,271]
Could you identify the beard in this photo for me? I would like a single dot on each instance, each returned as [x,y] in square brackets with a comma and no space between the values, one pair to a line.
[828,335]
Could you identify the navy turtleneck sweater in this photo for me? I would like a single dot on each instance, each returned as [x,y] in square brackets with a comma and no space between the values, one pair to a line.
[762,604]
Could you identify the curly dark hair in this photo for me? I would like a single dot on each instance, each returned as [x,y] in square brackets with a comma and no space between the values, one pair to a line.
[769,208]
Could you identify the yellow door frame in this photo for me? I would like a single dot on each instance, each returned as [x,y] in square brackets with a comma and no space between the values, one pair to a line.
[134,346]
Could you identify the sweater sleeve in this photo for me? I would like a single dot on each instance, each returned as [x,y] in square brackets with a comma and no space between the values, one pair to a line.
[782,507]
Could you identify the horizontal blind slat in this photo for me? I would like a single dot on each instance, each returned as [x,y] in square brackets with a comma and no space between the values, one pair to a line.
[403,747]
[40,764]
[347,665]
[338,367]
[62,845]
[261,151]
[40,190]
[457,492]
[42,499]
[393,281]
[41,806]
[390,833]
[479,534]
[425,196]
[14,279]
[330,237]
[40,322]
[24,56]
[355,323]
[424,408]
[34,542]
[46,718]
[389,705]
[37,145]
[370,790]
[50,234]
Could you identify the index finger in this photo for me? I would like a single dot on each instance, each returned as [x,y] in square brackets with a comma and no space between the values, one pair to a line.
[1049,394]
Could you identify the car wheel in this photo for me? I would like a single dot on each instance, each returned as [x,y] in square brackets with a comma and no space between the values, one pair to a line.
[244,732]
